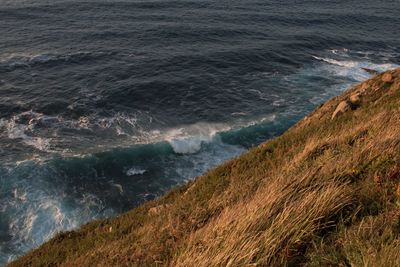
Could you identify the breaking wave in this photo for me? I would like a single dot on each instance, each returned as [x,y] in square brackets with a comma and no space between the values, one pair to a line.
[354,69]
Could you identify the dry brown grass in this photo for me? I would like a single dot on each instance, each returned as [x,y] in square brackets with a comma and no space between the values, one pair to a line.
[323,193]
[270,227]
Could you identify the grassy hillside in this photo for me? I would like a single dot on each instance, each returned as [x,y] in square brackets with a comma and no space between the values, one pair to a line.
[326,192]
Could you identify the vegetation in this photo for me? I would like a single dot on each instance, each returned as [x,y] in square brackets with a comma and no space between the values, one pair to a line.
[325,193]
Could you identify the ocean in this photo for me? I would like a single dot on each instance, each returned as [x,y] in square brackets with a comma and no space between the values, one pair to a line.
[107,104]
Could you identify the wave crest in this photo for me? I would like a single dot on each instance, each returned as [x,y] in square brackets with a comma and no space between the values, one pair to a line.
[189,139]
[343,66]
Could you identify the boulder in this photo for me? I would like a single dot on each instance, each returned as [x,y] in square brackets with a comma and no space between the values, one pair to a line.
[343,107]
[387,77]
[355,99]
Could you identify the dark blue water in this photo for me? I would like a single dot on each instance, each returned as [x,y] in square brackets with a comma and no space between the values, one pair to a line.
[106,104]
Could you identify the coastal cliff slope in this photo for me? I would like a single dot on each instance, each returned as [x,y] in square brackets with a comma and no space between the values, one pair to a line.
[326,192]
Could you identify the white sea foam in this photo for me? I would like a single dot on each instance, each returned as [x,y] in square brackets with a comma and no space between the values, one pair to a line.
[36,220]
[186,145]
[353,69]
[135,171]
[262,119]
[328,75]
[15,129]
[189,139]
[41,131]
[36,212]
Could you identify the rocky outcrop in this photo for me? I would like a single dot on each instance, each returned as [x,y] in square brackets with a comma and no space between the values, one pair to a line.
[355,100]
[387,77]
[387,82]
[351,103]
[343,107]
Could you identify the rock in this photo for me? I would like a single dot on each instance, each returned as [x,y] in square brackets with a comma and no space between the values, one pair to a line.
[371,71]
[343,107]
[355,99]
[364,87]
[387,77]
